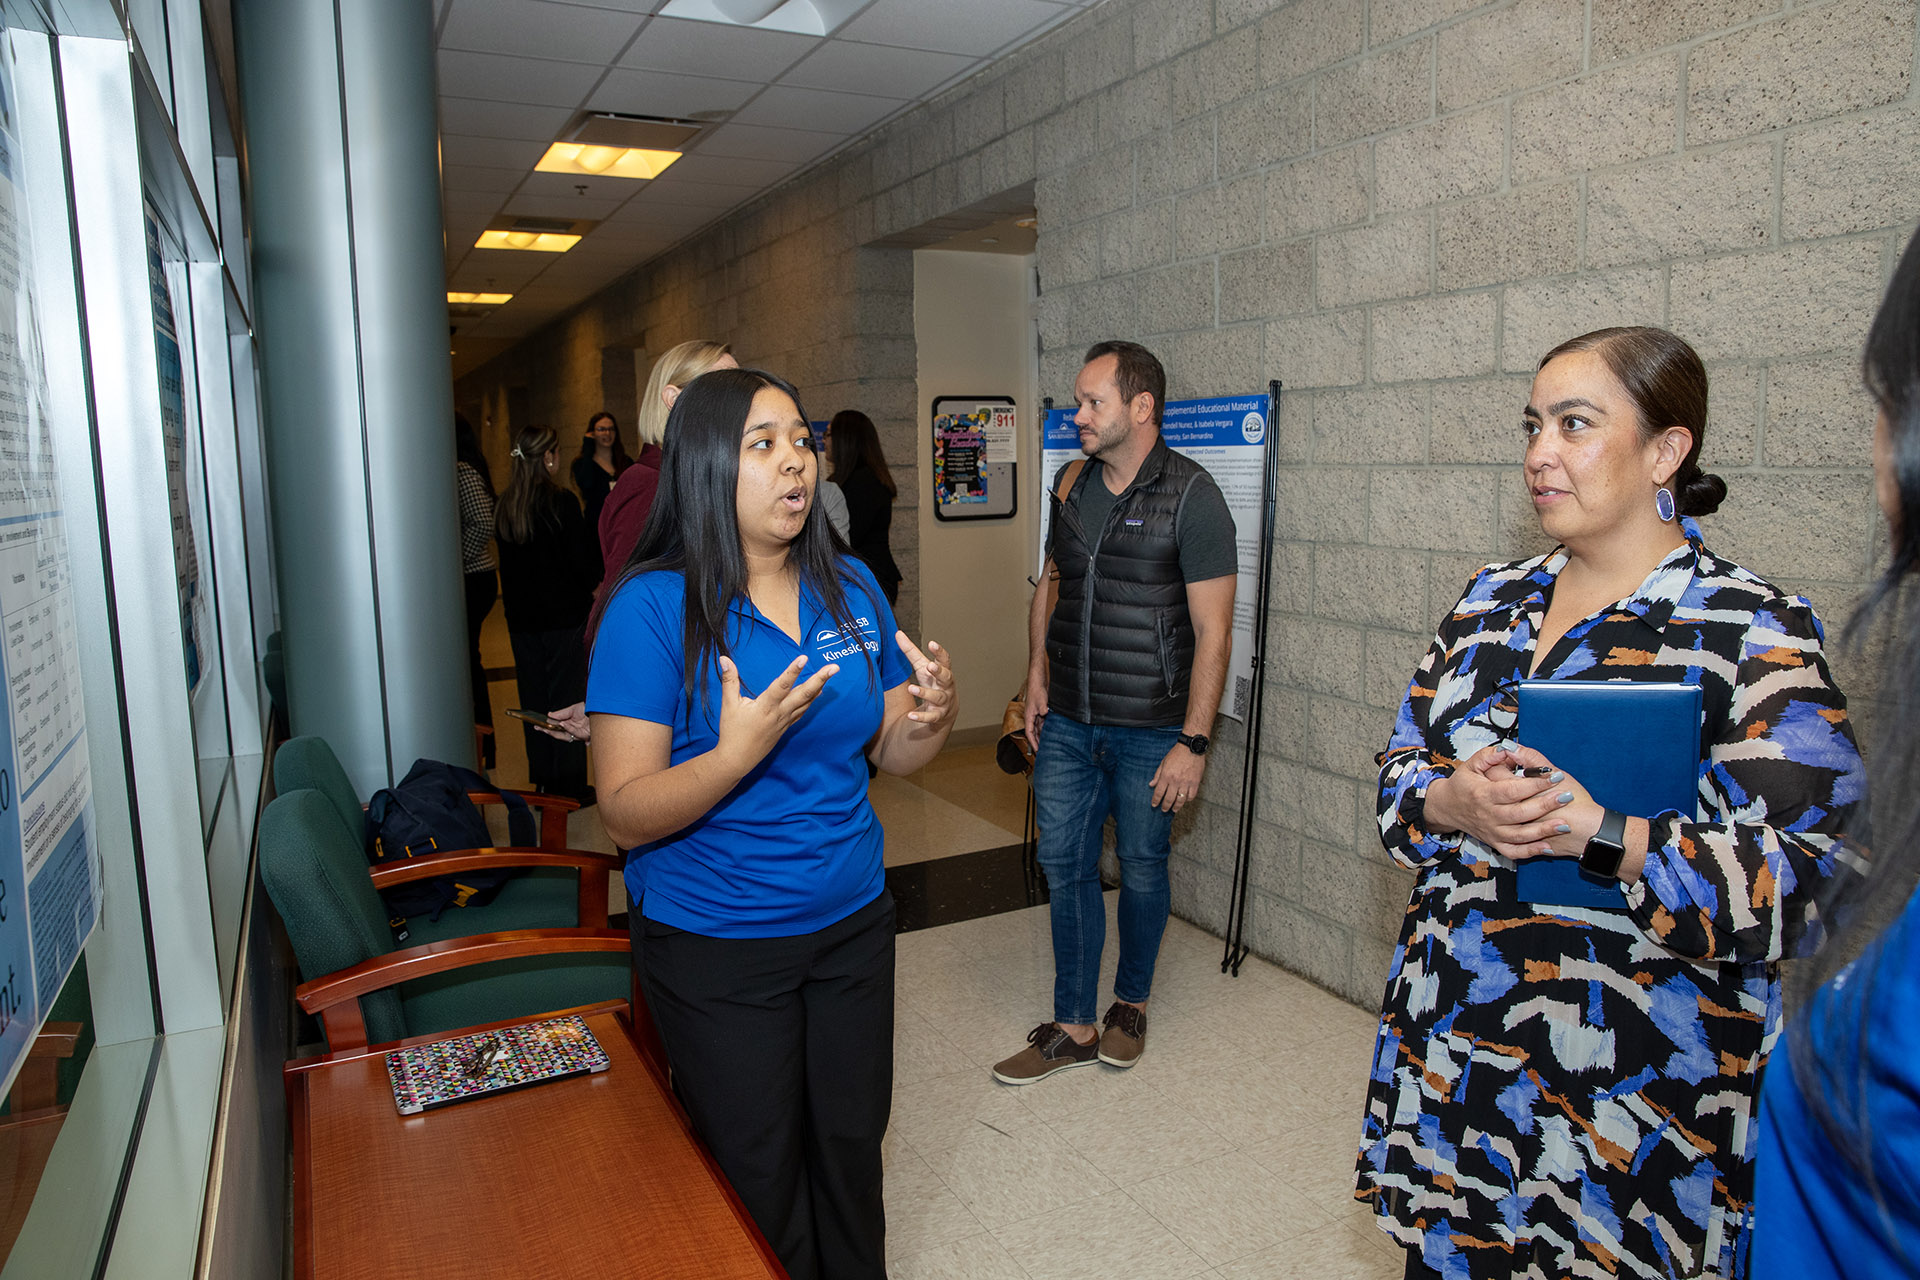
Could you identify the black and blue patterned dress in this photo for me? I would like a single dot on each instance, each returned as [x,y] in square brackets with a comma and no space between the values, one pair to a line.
[1564,1092]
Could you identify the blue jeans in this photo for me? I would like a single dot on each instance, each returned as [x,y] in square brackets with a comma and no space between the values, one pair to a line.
[1081,773]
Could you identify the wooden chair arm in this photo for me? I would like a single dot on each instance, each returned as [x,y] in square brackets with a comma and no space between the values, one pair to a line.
[452,861]
[553,813]
[336,996]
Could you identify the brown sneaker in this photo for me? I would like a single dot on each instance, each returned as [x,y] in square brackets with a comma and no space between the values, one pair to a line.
[1049,1049]
[1125,1035]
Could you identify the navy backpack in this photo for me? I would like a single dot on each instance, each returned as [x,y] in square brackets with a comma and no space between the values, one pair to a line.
[427,812]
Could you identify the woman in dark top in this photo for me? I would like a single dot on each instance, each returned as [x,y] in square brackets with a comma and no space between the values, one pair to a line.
[547,576]
[477,563]
[860,469]
[602,458]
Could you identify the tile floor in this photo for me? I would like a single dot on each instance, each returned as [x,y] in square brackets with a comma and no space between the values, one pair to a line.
[1227,1152]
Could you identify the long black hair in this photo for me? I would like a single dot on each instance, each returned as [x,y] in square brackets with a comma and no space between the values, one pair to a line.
[1828,1043]
[856,443]
[694,527]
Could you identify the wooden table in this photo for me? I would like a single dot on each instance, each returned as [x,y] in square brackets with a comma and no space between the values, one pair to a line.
[589,1176]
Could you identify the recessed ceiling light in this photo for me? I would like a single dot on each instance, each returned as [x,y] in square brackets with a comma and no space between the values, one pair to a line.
[478,299]
[534,241]
[605,162]
[803,17]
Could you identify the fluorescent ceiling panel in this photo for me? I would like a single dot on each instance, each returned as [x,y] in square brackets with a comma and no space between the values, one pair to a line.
[807,17]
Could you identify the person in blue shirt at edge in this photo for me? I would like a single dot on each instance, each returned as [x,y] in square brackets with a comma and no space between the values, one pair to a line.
[1126,669]
[1835,1184]
[763,929]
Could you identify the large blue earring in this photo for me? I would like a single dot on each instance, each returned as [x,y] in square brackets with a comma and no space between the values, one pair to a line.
[1663,502]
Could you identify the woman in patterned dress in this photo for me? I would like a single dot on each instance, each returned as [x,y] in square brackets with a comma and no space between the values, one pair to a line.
[1569,1091]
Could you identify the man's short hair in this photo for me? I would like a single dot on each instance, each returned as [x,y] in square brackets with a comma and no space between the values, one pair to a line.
[1139,370]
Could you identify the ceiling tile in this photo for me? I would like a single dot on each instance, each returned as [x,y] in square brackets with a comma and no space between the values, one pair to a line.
[976,27]
[700,195]
[664,217]
[657,93]
[470,204]
[616,190]
[796,108]
[733,171]
[741,53]
[764,142]
[490,153]
[529,28]
[525,206]
[501,270]
[503,119]
[468,177]
[876,69]
[505,79]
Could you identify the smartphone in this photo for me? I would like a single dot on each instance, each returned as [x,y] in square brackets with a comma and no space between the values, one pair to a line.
[539,718]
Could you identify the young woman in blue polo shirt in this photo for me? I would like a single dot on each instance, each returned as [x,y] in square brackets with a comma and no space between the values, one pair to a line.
[743,672]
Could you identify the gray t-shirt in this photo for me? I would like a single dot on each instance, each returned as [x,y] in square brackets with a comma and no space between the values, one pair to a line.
[1208,548]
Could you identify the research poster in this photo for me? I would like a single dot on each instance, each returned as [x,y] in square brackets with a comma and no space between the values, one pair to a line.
[49,863]
[173,430]
[1228,437]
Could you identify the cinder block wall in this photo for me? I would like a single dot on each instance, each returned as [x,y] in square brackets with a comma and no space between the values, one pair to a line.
[1396,207]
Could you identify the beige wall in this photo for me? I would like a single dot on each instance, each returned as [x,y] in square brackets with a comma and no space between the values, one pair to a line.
[974,333]
[1395,206]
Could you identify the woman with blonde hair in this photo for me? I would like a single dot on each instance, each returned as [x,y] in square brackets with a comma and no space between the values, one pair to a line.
[624,515]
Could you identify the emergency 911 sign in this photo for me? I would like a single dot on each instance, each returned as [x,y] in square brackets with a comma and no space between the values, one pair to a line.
[1227,436]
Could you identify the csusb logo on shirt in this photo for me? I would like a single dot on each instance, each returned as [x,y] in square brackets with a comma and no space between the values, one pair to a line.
[829,636]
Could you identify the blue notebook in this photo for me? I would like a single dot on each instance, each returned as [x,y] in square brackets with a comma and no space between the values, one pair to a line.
[1635,746]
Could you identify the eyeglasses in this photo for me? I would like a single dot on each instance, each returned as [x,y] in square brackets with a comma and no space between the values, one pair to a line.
[1500,713]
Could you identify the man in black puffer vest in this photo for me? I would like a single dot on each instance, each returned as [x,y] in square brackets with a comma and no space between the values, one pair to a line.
[1126,670]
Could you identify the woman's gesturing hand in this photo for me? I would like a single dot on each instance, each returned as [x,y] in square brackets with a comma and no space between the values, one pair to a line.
[749,727]
[1517,817]
[933,683]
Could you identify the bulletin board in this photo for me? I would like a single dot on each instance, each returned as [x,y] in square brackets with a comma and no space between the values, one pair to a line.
[975,450]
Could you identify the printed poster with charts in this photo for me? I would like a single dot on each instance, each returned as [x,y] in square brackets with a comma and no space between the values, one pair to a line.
[1227,436]
[49,863]
[975,447]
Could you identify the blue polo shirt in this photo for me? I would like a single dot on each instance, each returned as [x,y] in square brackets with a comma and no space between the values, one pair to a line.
[795,846]
[1813,1214]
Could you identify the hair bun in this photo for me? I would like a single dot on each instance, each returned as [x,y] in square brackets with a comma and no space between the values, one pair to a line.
[1702,495]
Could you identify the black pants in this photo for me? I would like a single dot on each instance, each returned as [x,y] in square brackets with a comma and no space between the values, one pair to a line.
[482,590]
[551,670]
[782,1054]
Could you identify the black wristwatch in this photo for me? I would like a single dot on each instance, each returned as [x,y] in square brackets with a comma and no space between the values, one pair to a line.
[1194,742]
[1600,861]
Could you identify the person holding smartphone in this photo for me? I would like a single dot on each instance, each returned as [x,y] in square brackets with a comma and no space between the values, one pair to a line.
[744,670]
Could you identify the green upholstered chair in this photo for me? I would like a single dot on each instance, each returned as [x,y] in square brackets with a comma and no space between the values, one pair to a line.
[364,990]
[543,898]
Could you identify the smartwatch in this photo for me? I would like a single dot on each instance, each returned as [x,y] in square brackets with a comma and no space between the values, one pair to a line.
[1194,742]
[1600,861]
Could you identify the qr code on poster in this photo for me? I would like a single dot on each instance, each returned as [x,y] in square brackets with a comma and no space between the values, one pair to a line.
[1242,688]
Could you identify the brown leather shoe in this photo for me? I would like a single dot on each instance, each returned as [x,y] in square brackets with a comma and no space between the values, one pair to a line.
[1049,1049]
[1125,1035]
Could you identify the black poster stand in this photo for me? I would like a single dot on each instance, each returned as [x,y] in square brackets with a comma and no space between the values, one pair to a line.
[1250,774]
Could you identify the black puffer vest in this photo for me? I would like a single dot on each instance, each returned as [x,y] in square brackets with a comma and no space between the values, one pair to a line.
[1120,644]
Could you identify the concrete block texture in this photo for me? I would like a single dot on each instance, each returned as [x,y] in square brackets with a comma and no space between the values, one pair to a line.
[1793,301]
[1607,118]
[1367,264]
[1333,189]
[1451,337]
[1450,159]
[1433,508]
[1513,46]
[1220,218]
[1534,232]
[1215,74]
[1368,427]
[1539,315]
[1170,299]
[1307,35]
[1625,28]
[1164,29]
[1818,414]
[1176,160]
[1262,282]
[1829,537]
[1853,175]
[1479,420]
[1265,129]
[1373,94]
[1815,62]
[1318,351]
[1390,20]
[1701,203]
